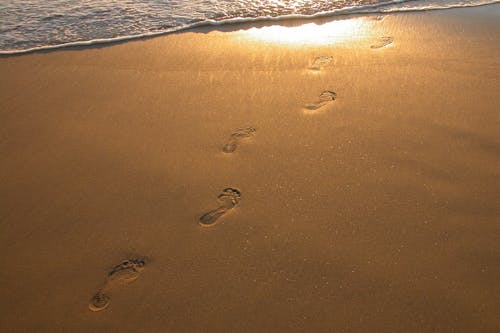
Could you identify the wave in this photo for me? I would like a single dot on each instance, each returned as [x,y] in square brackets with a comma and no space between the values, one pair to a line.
[386,7]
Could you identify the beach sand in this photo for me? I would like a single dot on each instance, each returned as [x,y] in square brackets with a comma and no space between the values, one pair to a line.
[378,211]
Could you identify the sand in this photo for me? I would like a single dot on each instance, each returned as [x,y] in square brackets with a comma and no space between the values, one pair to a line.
[377,211]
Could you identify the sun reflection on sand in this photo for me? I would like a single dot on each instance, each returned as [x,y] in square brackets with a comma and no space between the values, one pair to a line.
[334,32]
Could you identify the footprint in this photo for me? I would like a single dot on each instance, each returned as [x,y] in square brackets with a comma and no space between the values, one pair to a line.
[381,42]
[124,273]
[229,198]
[324,98]
[236,136]
[320,62]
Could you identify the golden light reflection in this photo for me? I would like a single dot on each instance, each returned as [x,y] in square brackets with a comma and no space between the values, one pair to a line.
[334,32]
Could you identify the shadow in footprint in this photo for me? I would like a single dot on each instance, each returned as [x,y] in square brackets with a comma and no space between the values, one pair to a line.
[229,198]
[324,98]
[381,42]
[320,62]
[236,136]
[123,274]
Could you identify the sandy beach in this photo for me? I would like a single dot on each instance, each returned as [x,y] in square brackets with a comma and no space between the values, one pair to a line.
[369,190]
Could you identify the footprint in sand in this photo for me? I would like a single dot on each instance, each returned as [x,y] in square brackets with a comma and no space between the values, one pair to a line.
[235,138]
[377,18]
[324,98]
[123,274]
[381,42]
[229,198]
[320,62]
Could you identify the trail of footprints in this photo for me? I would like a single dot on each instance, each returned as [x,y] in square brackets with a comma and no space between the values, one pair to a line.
[129,270]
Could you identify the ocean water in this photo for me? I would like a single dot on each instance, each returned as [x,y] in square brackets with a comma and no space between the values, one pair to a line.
[27,25]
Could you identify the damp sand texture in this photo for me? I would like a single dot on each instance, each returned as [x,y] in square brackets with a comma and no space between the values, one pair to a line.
[379,213]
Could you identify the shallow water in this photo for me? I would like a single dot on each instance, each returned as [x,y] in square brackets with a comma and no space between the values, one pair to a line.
[33,24]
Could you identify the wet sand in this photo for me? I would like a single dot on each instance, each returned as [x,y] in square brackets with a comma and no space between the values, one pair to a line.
[376,211]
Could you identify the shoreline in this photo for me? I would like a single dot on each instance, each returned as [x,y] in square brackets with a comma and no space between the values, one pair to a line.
[366,199]
[236,23]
